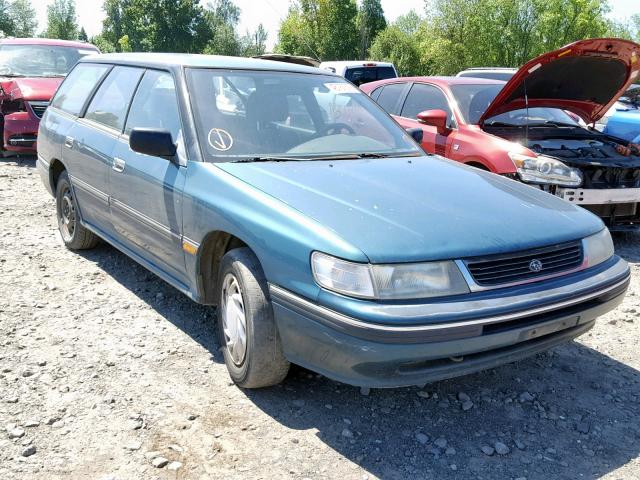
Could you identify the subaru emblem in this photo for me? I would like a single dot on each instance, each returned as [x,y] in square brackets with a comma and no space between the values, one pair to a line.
[535,265]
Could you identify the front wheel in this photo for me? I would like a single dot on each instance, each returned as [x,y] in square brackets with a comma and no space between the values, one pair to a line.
[246,328]
[74,235]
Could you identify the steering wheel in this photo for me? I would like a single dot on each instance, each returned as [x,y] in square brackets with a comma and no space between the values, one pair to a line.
[337,128]
[5,69]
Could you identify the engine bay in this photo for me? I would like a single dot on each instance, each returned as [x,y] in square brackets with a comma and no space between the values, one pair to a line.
[592,152]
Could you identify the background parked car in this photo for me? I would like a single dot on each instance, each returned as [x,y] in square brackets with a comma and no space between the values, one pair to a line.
[490,73]
[485,123]
[31,69]
[624,124]
[359,72]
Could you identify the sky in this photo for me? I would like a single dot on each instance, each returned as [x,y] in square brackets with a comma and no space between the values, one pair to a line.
[271,12]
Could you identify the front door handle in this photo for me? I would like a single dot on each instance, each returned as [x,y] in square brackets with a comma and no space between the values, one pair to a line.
[68,142]
[118,165]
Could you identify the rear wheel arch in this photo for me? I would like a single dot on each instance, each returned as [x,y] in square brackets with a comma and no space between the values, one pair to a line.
[213,247]
[56,167]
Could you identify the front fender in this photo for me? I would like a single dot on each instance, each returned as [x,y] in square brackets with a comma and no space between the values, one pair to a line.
[281,237]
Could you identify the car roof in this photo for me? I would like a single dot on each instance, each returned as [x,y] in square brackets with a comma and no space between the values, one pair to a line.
[441,81]
[354,63]
[198,61]
[490,69]
[47,41]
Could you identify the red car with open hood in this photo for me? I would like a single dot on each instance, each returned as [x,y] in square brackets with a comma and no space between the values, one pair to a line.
[31,69]
[528,127]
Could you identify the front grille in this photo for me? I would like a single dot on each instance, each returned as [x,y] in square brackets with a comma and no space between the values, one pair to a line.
[39,108]
[610,177]
[524,266]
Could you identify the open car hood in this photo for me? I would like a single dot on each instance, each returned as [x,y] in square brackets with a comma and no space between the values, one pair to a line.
[584,77]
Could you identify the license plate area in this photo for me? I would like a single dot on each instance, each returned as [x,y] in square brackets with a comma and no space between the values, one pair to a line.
[547,328]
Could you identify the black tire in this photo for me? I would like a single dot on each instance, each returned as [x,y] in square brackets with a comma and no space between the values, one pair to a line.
[262,362]
[74,235]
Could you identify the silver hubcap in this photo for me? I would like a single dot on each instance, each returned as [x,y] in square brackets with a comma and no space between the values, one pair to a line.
[67,215]
[234,322]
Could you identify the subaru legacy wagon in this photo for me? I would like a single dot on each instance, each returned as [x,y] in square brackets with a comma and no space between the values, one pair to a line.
[323,233]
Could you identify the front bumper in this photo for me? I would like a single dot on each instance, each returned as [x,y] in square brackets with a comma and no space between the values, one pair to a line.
[618,207]
[20,132]
[394,354]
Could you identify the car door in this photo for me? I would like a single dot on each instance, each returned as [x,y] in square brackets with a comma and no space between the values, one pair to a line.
[421,97]
[146,191]
[87,173]
[89,145]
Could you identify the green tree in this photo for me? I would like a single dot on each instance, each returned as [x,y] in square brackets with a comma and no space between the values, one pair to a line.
[409,23]
[254,43]
[61,20]
[24,18]
[7,24]
[401,48]
[466,33]
[222,19]
[155,25]
[324,29]
[370,22]
[103,45]
[82,35]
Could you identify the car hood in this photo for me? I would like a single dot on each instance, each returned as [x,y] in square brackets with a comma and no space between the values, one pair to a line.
[15,88]
[585,77]
[420,208]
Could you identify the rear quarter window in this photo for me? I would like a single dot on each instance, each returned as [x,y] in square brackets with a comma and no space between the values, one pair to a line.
[76,88]
[110,104]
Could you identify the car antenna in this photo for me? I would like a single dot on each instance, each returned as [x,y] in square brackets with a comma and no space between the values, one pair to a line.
[526,106]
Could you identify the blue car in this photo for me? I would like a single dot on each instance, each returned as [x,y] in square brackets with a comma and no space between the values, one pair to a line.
[323,233]
[624,124]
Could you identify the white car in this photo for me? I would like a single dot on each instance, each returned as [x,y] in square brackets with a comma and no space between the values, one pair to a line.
[359,72]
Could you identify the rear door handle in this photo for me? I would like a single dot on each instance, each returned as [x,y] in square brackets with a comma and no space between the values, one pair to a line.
[68,142]
[118,165]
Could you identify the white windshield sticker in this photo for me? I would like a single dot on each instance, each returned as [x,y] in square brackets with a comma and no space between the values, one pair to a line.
[340,87]
[220,139]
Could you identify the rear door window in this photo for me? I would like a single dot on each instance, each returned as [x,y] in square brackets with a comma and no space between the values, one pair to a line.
[423,97]
[155,104]
[110,103]
[390,96]
[361,75]
[75,90]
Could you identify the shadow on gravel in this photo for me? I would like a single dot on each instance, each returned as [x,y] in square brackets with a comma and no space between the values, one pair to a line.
[570,413]
[26,161]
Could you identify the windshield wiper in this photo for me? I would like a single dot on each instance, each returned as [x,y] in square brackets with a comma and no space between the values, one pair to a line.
[267,159]
[501,124]
[551,123]
[12,75]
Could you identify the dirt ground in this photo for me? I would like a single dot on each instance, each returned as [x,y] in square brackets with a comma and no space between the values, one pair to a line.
[106,372]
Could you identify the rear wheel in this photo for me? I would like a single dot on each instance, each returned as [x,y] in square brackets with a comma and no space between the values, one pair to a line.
[246,328]
[74,235]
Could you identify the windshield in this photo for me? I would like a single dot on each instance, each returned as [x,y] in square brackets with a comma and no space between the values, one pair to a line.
[473,100]
[253,115]
[39,60]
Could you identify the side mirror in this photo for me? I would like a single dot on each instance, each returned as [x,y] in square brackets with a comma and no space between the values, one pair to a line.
[153,142]
[416,133]
[435,118]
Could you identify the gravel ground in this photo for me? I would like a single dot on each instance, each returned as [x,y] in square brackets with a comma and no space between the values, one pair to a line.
[106,372]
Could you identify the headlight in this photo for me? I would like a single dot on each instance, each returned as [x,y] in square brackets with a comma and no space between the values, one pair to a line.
[546,170]
[597,248]
[388,282]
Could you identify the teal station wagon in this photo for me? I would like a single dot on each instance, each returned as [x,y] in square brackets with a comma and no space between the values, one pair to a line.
[325,236]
